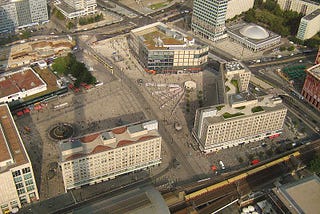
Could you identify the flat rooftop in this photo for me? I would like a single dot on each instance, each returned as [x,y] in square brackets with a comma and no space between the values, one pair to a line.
[11,146]
[108,140]
[235,29]
[304,194]
[19,81]
[65,7]
[312,15]
[233,66]
[158,36]
[314,71]
[244,105]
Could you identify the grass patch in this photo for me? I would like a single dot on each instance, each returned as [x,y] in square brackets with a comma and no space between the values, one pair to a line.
[90,19]
[241,107]
[257,109]
[58,14]
[228,115]
[236,84]
[219,107]
[69,65]
[39,94]
[158,5]
[227,88]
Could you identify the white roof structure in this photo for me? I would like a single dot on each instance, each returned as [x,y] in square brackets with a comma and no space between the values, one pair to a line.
[254,32]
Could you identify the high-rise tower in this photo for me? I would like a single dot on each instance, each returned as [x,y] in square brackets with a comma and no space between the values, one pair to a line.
[208,19]
[21,13]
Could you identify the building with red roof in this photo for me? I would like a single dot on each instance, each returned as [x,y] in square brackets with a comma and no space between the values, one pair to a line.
[106,154]
[19,84]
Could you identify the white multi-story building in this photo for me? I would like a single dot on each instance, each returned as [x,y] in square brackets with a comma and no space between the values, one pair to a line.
[236,73]
[18,186]
[104,155]
[22,13]
[309,25]
[76,8]
[20,84]
[301,6]
[236,7]
[163,50]
[253,37]
[245,120]
[208,18]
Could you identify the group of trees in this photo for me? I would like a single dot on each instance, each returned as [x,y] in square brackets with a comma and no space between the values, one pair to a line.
[290,48]
[269,14]
[14,37]
[91,19]
[69,65]
[315,165]
[58,14]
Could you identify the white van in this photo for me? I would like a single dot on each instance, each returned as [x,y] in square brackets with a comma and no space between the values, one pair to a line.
[222,164]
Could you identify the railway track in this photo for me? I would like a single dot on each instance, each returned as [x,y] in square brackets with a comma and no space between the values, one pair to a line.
[216,196]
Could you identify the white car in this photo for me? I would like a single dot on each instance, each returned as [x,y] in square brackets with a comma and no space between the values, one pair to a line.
[222,164]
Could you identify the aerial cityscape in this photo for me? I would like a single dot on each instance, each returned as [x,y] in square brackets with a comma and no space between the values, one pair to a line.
[160,106]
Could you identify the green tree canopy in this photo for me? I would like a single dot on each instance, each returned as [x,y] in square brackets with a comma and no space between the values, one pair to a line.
[69,65]
[315,164]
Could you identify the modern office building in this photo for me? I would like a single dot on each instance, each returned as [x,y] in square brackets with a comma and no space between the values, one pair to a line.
[311,87]
[20,84]
[236,7]
[22,13]
[309,25]
[18,186]
[236,76]
[246,119]
[253,37]
[208,18]
[104,155]
[301,6]
[160,49]
[76,8]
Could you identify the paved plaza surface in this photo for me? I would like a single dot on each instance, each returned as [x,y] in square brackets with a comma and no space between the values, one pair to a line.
[115,103]
[147,6]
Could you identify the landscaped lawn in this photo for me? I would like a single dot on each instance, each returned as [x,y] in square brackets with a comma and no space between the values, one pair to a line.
[235,83]
[257,109]
[228,115]
[158,5]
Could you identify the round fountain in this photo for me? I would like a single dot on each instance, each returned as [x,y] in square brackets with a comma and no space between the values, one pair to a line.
[61,131]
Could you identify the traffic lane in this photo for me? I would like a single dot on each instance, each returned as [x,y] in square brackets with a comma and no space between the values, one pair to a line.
[303,105]
[301,115]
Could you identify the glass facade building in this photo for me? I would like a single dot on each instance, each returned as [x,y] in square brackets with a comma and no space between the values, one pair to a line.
[162,50]
[208,19]
[22,13]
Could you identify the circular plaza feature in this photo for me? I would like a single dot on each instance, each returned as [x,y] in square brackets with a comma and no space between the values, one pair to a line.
[61,131]
[254,32]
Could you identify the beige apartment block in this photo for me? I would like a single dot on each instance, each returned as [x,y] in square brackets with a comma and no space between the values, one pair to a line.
[237,77]
[18,186]
[104,155]
[236,7]
[246,119]
[301,6]
[309,25]
[163,50]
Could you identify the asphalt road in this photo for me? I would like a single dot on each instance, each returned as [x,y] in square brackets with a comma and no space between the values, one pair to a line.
[292,100]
